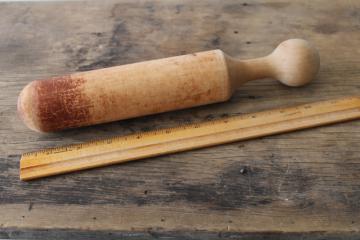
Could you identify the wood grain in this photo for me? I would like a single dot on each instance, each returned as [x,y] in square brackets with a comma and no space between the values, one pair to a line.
[300,183]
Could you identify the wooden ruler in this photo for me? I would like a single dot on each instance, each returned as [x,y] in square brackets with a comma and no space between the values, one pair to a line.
[154,143]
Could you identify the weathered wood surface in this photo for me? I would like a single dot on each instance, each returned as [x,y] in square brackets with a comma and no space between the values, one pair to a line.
[300,183]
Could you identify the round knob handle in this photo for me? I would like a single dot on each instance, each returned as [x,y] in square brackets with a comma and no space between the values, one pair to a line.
[294,62]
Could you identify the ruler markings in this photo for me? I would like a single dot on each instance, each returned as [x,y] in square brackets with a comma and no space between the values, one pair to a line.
[185,137]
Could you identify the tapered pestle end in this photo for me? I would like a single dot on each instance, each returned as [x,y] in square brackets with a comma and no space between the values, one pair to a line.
[26,109]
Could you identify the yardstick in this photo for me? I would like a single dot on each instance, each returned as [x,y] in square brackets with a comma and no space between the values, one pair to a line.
[164,141]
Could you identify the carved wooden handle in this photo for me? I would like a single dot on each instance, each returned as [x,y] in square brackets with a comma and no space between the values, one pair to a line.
[144,88]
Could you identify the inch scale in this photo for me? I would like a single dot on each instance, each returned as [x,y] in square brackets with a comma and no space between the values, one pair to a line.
[192,136]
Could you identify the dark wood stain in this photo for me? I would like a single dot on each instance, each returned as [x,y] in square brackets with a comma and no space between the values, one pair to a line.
[152,234]
[237,8]
[30,206]
[61,103]
[237,186]
[276,5]
[215,41]
[179,8]
[326,28]
[115,48]
[240,186]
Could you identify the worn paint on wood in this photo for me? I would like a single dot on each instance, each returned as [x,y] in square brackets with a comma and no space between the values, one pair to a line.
[299,182]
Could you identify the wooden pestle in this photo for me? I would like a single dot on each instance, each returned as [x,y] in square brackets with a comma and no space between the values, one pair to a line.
[156,86]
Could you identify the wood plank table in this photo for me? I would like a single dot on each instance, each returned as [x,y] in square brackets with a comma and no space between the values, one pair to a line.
[304,184]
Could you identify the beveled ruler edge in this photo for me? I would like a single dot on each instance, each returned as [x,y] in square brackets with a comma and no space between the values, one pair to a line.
[136,146]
